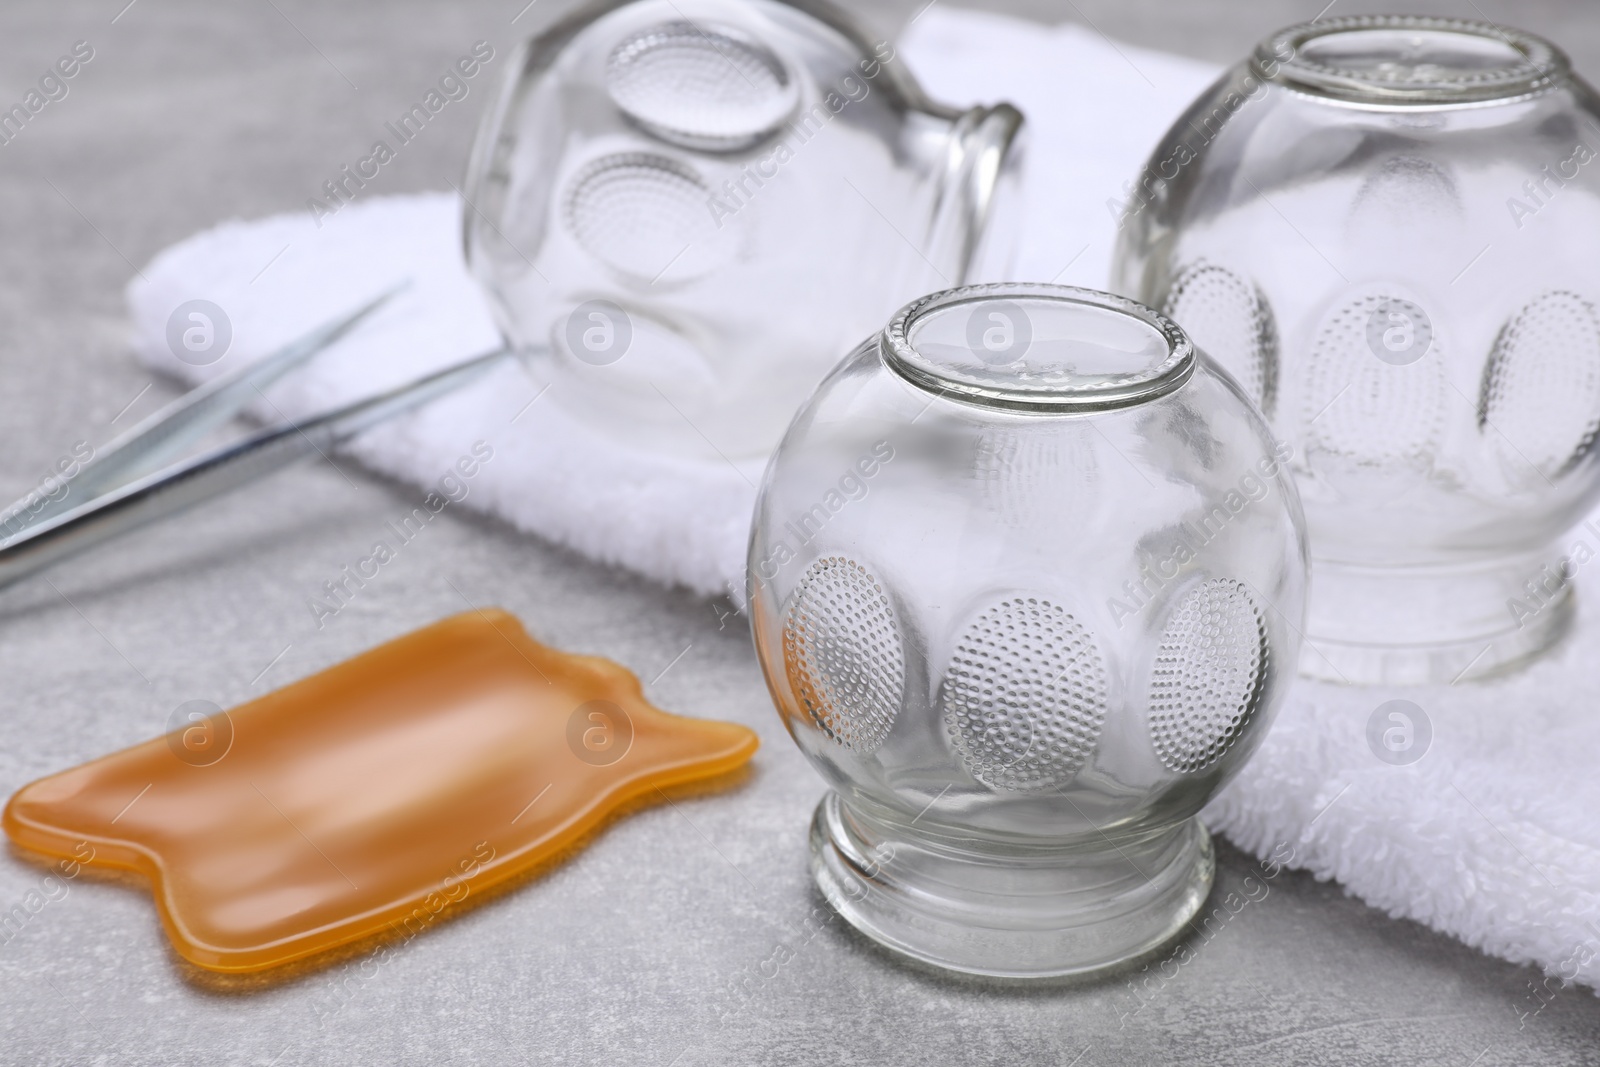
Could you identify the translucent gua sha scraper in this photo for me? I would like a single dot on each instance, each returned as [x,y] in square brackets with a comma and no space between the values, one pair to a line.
[369,797]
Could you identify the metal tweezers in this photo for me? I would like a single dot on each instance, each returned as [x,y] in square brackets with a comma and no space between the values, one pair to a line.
[137,479]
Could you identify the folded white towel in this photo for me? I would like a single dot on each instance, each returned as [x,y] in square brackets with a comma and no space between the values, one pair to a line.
[1490,836]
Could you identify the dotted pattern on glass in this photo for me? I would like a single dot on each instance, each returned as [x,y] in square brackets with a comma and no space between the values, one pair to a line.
[1402,193]
[1025,695]
[1229,320]
[843,653]
[645,216]
[1210,671]
[700,86]
[1363,410]
[1539,406]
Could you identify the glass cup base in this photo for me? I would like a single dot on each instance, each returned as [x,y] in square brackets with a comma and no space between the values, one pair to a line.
[1433,625]
[1009,910]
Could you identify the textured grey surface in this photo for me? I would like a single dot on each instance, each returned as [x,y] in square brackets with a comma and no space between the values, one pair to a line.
[681,935]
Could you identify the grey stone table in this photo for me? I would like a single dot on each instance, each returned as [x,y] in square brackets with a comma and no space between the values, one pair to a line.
[686,934]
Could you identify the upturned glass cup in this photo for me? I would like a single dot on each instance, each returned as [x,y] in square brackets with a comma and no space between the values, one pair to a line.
[1026,578]
[1373,223]
[695,205]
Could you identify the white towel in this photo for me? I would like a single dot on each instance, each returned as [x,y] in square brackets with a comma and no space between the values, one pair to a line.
[1490,836]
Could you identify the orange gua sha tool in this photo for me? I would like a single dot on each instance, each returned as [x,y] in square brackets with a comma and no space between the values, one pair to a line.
[373,795]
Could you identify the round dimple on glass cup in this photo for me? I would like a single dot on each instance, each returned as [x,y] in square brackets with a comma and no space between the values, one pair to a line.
[1026,577]
[692,206]
[1376,223]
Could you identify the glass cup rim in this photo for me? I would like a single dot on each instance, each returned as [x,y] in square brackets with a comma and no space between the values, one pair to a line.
[1108,393]
[1280,58]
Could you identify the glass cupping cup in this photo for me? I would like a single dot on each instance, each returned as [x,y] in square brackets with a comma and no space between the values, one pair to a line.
[694,205]
[1026,579]
[1371,223]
